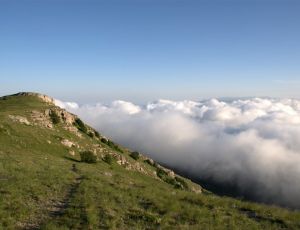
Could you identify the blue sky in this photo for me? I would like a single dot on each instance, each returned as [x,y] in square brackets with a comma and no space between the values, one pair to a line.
[141,50]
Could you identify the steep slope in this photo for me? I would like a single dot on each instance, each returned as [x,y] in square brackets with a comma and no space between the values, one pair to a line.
[44,184]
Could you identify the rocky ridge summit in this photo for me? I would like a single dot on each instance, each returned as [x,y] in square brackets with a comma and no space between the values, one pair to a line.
[43,97]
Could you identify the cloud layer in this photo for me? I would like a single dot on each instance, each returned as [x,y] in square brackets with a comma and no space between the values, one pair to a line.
[252,144]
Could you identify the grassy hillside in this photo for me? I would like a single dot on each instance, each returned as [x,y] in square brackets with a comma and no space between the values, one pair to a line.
[45,185]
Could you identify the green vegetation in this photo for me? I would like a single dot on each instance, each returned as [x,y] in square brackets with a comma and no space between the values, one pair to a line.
[91,134]
[80,125]
[97,134]
[88,157]
[103,140]
[111,145]
[176,181]
[54,117]
[108,159]
[43,186]
[135,155]
[182,182]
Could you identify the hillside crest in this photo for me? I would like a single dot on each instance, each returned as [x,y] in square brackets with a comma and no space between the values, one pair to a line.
[43,97]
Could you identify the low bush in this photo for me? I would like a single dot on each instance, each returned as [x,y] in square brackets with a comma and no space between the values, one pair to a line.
[91,134]
[149,162]
[135,155]
[182,182]
[97,134]
[161,173]
[88,157]
[177,182]
[103,140]
[108,159]
[173,182]
[114,146]
[54,117]
[152,163]
[80,125]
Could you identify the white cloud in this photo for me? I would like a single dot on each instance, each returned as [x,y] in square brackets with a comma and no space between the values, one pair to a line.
[69,105]
[252,143]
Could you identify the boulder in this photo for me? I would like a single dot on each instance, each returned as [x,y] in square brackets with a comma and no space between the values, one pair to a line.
[67,143]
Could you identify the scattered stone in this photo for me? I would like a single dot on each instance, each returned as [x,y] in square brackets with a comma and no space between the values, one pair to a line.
[196,190]
[49,142]
[73,129]
[108,174]
[67,143]
[20,119]
[121,160]
[42,119]
[170,173]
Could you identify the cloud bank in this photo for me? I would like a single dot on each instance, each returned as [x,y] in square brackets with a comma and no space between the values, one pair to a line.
[252,144]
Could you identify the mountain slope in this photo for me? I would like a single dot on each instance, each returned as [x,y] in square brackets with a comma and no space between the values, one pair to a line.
[45,185]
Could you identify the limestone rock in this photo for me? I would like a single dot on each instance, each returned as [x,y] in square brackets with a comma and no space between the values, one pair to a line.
[43,97]
[196,190]
[67,117]
[67,143]
[73,129]
[20,119]
[108,174]
[42,119]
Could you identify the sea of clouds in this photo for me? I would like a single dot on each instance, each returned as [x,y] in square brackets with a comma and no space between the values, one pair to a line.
[253,144]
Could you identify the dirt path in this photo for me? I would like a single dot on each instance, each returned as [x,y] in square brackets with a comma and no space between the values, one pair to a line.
[60,207]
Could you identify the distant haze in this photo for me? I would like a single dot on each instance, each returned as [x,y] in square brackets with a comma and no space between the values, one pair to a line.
[252,144]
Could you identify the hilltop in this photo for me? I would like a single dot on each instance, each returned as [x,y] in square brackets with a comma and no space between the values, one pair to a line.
[56,172]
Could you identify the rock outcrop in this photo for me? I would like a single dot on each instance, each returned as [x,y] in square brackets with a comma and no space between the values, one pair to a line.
[68,143]
[43,97]
[20,119]
[41,119]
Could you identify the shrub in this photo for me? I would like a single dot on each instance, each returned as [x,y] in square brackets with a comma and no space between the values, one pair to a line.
[148,162]
[173,182]
[177,182]
[103,140]
[114,146]
[111,144]
[151,162]
[54,117]
[80,125]
[108,159]
[161,173]
[88,157]
[135,155]
[182,182]
[91,134]
[97,134]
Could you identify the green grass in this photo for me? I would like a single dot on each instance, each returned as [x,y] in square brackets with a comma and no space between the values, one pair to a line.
[43,186]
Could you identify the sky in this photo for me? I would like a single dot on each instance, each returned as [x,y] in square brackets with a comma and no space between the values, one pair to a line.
[142,50]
